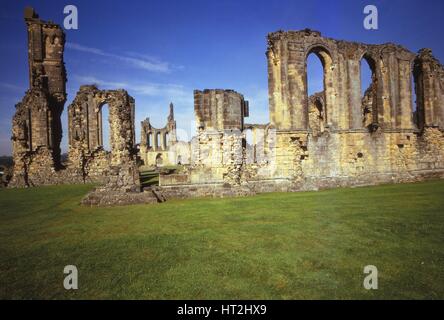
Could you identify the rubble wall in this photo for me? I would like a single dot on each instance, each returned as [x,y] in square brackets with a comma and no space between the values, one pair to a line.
[334,138]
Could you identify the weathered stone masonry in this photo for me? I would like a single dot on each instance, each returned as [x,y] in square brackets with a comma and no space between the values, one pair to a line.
[36,126]
[218,150]
[160,147]
[336,137]
[85,122]
[393,144]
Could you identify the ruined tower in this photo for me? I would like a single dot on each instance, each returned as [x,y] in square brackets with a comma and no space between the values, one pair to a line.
[37,129]
[46,42]
[220,121]
[220,109]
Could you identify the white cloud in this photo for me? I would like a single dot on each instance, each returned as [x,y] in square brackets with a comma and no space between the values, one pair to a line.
[12,87]
[176,92]
[143,62]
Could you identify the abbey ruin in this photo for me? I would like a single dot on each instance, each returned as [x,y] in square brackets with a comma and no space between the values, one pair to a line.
[159,147]
[333,138]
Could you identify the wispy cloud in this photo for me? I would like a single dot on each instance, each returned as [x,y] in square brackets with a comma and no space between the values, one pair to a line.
[11,87]
[139,61]
[152,101]
[175,92]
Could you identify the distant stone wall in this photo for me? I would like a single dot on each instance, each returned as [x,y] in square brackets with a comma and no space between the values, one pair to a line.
[160,147]
[261,150]
[219,143]
[333,138]
[218,109]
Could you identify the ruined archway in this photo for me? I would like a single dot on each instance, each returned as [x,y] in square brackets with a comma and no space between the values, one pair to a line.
[103,128]
[158,141]
[149,140]
[86,129]
[369,89]
[418,94]
[154,140]
[327,92]
[165,140]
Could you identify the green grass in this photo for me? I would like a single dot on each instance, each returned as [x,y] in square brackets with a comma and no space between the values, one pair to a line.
[271,246]
[149,178]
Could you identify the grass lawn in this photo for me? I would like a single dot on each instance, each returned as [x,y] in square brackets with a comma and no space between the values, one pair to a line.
[270,246]
[149,178]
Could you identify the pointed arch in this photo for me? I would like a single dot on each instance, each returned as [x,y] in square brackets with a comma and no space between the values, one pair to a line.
[327,92]
[369,91]
[418,94]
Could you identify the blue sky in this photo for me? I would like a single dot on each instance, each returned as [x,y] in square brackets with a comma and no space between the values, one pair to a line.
[160,51]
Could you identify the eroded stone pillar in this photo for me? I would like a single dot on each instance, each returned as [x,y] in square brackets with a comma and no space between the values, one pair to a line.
[287,82]
[405,116]
[37,129]
[429,81]
[354,85]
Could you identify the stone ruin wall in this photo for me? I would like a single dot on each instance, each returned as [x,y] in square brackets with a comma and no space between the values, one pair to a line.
[219,146]
[259,150]
[37,131]
[354,140]
[118,169]
[217,150]
[160,147]
[86,151]
[335,137]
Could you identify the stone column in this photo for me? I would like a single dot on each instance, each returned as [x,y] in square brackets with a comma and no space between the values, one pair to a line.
[405,95]
[287,83]
[354,93]
[297,88]
[382,113]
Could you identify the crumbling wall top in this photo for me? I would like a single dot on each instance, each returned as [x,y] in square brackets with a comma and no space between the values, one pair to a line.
[306,40]
[220,109]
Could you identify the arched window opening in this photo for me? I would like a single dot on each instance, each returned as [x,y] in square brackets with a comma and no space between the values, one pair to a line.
[368,91]
[158,145]
[166,140]
[315,75]
[103,128]
[418,96]
[319,78]
[149,140]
